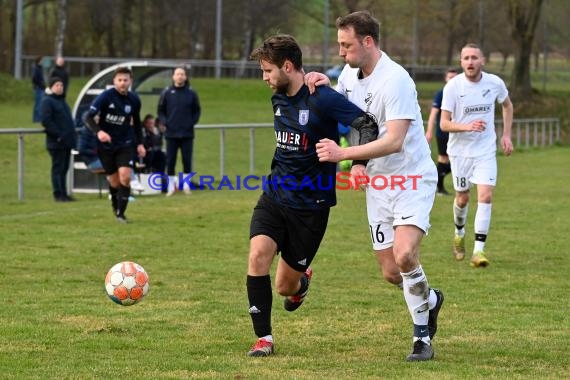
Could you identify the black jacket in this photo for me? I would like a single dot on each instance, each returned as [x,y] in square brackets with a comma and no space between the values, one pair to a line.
[58,123]
[38,77]
[179,110]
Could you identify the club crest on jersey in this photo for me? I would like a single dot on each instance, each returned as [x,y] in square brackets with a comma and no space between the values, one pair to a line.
[303,117]
[127,109]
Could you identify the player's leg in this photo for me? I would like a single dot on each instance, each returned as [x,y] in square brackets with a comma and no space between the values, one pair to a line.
[461,170]
[485,176]
[261,252]
[443,167]
[111,170]
[267,232]
[123,163]
[305,231]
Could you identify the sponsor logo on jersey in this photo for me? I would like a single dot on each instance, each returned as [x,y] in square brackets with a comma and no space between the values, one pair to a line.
[303,117]
[278,112]
[112,106]
[480,108]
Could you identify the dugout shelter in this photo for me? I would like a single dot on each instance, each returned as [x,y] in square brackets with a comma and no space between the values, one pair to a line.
[150,78]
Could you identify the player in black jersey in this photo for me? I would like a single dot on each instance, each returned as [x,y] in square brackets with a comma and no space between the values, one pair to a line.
[292,213]
[114,116]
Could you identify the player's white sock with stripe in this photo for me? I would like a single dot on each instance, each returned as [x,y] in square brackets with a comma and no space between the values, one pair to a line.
[460,218]
[482,223]
[416,292]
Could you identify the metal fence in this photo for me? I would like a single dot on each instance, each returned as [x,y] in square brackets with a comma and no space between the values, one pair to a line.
[526,133]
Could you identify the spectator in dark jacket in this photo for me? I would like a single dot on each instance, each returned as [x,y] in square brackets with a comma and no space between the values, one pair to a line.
[178,112]
[60,72]
[60,136]
[39,86]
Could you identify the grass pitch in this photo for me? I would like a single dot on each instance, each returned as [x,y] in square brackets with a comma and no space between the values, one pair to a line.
[509,320]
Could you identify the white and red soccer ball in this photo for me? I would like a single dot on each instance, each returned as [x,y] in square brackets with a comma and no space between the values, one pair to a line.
[126,283]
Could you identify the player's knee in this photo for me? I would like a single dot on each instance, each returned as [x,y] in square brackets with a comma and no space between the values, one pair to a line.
[405,260]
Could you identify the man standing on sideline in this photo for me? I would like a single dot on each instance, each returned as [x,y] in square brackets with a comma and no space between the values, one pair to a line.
[39,86]
[443,167]
[178,113]
[60,137]
[117,111]
[292,213]
[468,114]
[60,72]
[398,218]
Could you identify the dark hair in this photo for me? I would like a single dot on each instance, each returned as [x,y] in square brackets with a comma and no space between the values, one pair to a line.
[122,70]
[277,49]
[147,117]
[39,59]
[363,24]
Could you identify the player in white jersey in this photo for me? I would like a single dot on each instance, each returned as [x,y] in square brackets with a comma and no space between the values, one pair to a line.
[468,113]
[398,215]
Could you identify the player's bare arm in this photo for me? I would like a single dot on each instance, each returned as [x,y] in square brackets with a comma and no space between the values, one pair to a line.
[506,142]
[431,123]
[448,126]
[391,142]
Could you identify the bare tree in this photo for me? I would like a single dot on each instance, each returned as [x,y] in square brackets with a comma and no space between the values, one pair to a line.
[61,26]
[523,18]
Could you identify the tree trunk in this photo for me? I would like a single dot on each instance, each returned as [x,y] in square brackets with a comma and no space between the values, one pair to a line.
[523,17]
[61,26]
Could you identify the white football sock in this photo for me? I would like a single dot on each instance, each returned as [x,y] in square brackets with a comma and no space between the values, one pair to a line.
[416,292]
[460,218]
[482,223]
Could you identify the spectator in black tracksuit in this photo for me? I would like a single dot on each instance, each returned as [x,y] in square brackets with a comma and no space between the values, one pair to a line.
[39,86]
[60,72]
[178,112]
[60,136]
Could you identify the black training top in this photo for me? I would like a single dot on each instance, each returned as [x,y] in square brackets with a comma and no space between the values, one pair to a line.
[119,116]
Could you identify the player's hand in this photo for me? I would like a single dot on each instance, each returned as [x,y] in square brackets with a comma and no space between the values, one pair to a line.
[314,79]
[507,145]
[476,126]
[358,177]
[141,151]
[104,137]
[329,151]
[428,137]
[162,128]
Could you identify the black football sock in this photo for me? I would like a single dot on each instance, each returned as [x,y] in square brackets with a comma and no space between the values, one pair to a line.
[122,199]
[113,191]
[260,299]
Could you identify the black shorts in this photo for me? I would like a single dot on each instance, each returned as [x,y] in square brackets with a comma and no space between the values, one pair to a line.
[442,144]
[298,233]
[113,159]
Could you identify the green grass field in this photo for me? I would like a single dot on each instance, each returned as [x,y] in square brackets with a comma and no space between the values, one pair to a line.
[506,321]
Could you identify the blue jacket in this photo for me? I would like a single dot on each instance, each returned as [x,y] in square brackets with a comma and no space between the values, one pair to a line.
[58,123]
[179,110]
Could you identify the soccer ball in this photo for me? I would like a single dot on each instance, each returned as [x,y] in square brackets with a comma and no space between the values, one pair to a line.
[126,283]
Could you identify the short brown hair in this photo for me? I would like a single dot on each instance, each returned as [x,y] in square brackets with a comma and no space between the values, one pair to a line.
[363,24]
[123,70]
[277,49]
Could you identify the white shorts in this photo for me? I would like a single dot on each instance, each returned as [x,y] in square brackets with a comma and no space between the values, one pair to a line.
[473,170]
[409,206]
